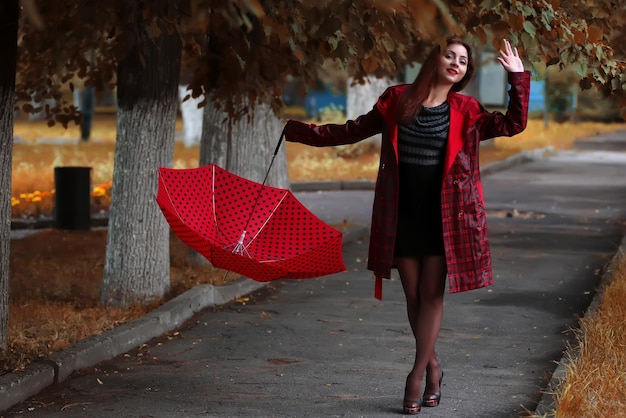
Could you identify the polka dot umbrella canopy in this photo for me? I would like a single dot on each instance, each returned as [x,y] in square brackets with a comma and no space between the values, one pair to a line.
[258,231]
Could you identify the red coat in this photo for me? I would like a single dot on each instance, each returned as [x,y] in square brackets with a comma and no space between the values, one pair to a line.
[465,237]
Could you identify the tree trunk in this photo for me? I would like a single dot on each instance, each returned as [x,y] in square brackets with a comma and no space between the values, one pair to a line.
[361,99]
[192,117]
[9,12]
[246,149]
[137,263]
[85,101]
[252,146]
[215,140]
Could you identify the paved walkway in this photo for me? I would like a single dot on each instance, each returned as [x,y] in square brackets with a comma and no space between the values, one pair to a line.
[325,347]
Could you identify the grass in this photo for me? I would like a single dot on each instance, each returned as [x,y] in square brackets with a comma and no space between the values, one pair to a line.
[55,280]
[595,366]
[595,384]
[56,275]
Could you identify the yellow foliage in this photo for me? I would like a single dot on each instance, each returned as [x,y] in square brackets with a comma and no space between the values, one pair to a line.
[595,383]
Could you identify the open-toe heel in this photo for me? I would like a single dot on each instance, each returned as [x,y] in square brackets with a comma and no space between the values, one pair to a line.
[433,399]
[410,407]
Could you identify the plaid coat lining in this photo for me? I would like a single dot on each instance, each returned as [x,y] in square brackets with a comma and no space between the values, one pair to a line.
[465,235]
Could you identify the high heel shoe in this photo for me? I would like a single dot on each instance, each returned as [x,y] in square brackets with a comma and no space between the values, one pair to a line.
[410,407]
[433,399]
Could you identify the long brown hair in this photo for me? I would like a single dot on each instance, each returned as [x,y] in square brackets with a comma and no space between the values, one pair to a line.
[410,102]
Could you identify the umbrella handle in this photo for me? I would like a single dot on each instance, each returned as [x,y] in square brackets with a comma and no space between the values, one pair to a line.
[280,141]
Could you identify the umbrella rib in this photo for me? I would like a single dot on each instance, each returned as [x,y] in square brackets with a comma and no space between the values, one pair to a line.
[217,225]
[213,198]
[267,220]
[169,197]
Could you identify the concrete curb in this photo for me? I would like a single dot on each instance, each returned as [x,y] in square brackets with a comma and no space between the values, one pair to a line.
[17,387]
[314,186]
[514,160]
[547,404]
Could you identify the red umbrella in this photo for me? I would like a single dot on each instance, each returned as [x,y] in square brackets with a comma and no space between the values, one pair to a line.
[259,231]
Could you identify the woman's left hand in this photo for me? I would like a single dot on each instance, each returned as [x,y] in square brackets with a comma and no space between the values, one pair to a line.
[510,60]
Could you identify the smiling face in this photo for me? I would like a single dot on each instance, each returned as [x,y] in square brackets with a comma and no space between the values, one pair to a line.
[452,64]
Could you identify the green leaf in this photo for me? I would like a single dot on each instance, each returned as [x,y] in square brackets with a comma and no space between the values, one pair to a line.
[529,28]
[599,52]
[333,42]
[528,11]
[615,84]
[599,76]
[486,5]
[580,68]
[546,18]
[529,41]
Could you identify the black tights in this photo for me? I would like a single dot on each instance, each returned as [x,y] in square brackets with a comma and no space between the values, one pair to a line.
[423,280]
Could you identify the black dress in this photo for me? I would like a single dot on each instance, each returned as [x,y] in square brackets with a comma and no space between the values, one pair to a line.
[421,153]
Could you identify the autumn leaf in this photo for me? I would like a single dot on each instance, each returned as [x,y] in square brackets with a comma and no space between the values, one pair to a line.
[594,34]
[578,36]
[481,35]
[298,54]
[388,6]
[369,64]
[156,31]
[517,22]
[424,12]
[553,61]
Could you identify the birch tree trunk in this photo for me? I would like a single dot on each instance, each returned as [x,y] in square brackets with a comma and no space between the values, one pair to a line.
[192,117]
[137,263]
[361,98]
[85,101]
[215,139]
[9,12]
[247,148]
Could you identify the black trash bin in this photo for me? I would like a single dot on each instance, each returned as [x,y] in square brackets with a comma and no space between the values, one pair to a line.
[72,199]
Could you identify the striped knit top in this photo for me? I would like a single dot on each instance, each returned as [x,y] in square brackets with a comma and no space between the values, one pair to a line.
[424,142]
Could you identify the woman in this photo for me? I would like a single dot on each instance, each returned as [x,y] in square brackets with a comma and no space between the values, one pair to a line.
[428,217]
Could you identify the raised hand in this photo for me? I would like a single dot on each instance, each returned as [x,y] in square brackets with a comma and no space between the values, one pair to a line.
[509,58]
